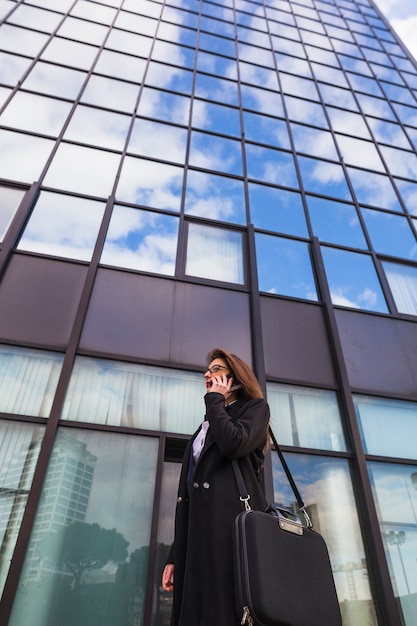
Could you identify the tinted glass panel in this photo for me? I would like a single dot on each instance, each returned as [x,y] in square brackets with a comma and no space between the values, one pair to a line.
[353,280]
[284,267]
[309,418]
[402,280]
[214,253]
[141,240]
[326,487]
[390,234]
[277,210]
[395,492]
[86,559]
[9,202]
[19,450]
[336,222]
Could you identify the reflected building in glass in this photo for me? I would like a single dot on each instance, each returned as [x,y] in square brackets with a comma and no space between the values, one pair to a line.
[176,176]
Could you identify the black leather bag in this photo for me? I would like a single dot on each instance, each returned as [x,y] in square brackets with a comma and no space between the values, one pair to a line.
[283,575]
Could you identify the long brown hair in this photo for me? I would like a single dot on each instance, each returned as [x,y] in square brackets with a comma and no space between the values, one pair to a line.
[241,371]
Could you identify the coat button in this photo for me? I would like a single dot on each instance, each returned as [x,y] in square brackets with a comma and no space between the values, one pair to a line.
[179,499]
[206,485]
[196,485]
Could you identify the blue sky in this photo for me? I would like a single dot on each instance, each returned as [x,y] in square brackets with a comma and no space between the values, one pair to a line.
[403,18]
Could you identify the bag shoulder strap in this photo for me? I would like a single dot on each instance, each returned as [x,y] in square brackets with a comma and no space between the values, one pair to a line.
[243,494]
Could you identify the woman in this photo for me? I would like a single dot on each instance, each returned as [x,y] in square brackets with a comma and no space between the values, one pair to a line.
[200,564]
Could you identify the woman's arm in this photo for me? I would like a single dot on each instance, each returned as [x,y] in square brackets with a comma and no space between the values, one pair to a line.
[168,577]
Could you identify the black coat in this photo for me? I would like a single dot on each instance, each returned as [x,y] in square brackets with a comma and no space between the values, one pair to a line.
[203,550]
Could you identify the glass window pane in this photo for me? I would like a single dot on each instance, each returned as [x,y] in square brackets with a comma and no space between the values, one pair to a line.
[326,487]
[168,77]
[54,80]
[215,197]
[402,280]
[307,418]
[86,559]
[122,41]
[394,488]
[161,105]
[314,142]
[83,170]
[215,153]
[151,184]
[28,380]
[23,157]
[97,127]
[324,178]
[160,141]
[21,40]
[216,117]
[12,68]
[63,226]
[284,267]
[336,222]
[408,191]
[72,53]
[374,189]
[47,115]
[132,395]
[400,162]
[360,153]
[214,253]
[217,89]
[353,281]
[265,129]
[9,203]
[141,240]
[111,94]
[390,234]
[262,100]
[278,210]
[81,30]
[348,122]
[383,424]
[271,166]
[19,450]
[306,111]
[124,66]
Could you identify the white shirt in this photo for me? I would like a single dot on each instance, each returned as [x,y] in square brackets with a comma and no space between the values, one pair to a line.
[198,443]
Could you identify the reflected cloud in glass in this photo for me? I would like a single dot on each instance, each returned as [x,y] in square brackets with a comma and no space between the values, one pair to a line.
[110,94]
[97,127]
[324,178]
[390,234]
[349,123]
[214,253]
[336,222]
[81,30]
[166,106]
[278,210]
[374,189]
[121,65]
[12,68]
[215,197]
[306,111]
[271,166]
[215,153]
[315,142]
[262,100]
[141,240]
[22,41]
[150,184]
[131,43]
[161,141]
[23,157]
[63,226]
[408,191]
[47,115]
[9,202]
[216,117]
[168,77]
[360,153]
[54,80]
[376,107]
[353,281]
[265,129]
[214,64]
[217,89]
[284,267]
[73,53]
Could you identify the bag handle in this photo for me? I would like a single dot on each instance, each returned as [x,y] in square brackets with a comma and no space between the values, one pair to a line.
[242,487]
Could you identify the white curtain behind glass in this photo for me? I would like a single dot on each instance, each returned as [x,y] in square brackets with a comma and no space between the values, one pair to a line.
[138,396]
[28,380]
[306,417]
[214,253]
[403,283]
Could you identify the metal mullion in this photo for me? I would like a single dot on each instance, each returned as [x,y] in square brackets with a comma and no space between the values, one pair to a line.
[386,605]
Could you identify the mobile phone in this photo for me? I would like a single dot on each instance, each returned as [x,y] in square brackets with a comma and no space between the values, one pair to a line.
[235,384]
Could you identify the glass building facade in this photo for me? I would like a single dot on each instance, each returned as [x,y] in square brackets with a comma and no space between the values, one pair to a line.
[180,175]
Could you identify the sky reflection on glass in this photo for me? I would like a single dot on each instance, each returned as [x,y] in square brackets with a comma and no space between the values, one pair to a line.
[215,197]
[100,128]
[390,234]
[323,177]
[214,253]
[277,210]
[402,280]
[168,77]
[150,184]
[141,240]
[336,222]
[374,189]
[47,115]
[216,117]
[217,89]
[9,202]
[23,157]
[170,107]
[262,100]
[408,191]
[161,141]
[271,166]
[306,111]
[54,80]
[353,281]
[284,267]
[63,226]
[265,129]
[215,153]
